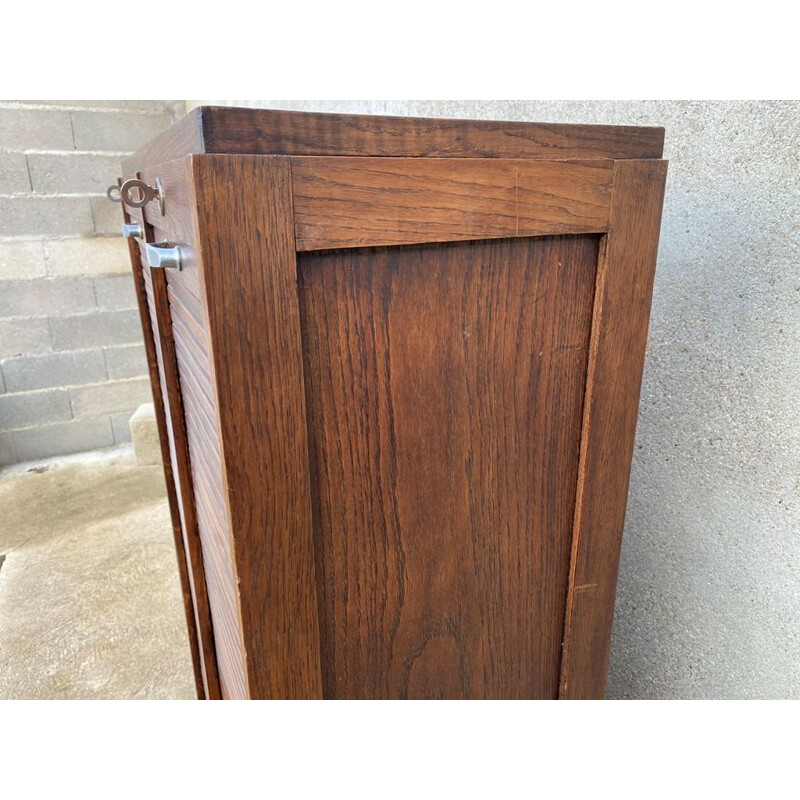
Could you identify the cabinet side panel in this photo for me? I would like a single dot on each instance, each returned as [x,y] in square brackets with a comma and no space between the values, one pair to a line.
[445,387]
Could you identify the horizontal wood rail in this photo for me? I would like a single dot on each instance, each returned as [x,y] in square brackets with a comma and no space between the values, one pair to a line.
[362,202]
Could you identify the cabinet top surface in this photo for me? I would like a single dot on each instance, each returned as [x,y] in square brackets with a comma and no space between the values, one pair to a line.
[241,131]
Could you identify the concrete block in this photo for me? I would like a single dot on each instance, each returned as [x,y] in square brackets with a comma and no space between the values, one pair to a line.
[110,397]
[121,426]
[8,454]
[71,173]
[20,260]
[89,256]
[144,434]
[46,216]
[100,329]
[97,130]
[106,216]
[115,292]
[57,369]
[70,437]
[126,362]
[13,173]
[26,129]
[33,408]
[24,336]
[46,297]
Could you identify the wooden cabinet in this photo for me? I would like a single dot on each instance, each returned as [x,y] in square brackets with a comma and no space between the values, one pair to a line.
[396,378]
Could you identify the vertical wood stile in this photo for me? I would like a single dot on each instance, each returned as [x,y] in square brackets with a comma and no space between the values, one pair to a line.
[616,358]
[245,241]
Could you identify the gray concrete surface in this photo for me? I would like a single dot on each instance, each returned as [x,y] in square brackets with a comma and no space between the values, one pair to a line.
[144,435]
[709,587]
[90,603]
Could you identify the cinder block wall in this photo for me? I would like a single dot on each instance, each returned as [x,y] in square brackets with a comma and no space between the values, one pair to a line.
[72,365]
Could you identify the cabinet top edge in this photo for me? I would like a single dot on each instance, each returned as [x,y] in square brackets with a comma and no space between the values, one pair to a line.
[253,131]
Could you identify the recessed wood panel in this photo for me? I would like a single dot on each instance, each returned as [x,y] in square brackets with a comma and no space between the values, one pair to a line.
[444,399]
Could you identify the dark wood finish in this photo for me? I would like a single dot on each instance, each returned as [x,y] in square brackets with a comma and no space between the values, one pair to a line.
[182,297]
[245,230]
[400,374]
[353,202]
[192,354]
[622,312]
[178,464]
[211,129]
[251,130]
[445,387]
[178,221]
[164,440]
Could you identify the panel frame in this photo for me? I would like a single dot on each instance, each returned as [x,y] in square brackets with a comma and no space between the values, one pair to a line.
[244,222]
[621,309]
[623,295]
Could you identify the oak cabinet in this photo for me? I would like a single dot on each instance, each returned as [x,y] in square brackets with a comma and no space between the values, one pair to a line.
[396,365]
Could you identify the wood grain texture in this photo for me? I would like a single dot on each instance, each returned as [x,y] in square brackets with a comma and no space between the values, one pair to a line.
[401,481]
[155,292]
[177,222]
[445,389]
[163,436]
[621,315]
[250,130]
[246,246]
[191,347]
[187,323]
[357,202]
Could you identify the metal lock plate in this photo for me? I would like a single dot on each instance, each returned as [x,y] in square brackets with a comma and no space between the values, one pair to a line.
[137,194]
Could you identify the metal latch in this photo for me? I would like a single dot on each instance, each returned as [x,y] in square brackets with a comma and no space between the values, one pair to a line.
[136,193]
[163,255]
[132,230]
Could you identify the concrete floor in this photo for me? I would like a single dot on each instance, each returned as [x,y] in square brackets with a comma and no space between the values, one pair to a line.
[90,602]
